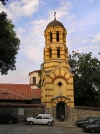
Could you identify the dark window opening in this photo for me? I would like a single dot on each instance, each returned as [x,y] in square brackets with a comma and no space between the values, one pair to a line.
[58,53]
[57,36]
[50,53]
[63,35]
[50,37]
[34,80]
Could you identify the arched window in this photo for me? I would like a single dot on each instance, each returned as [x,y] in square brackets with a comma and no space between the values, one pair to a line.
[57,36]
[58,53]
[50,53]
[50,37]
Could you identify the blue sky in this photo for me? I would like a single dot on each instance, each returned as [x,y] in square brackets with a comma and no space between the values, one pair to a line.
[81,18]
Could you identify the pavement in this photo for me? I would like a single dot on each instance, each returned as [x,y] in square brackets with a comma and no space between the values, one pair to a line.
[63,123]
[57,123]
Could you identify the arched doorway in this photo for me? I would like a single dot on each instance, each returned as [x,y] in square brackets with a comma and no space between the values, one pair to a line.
[60,109]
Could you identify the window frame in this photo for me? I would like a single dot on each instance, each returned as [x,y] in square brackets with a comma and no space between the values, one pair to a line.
[34,80]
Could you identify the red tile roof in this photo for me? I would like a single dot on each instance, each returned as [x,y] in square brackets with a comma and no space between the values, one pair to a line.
[36,93]
[18,92]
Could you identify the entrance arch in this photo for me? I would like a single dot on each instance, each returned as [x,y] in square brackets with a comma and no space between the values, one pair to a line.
[60,109]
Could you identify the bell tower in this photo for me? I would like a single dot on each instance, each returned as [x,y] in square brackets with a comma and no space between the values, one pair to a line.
[55,50]
[57,90]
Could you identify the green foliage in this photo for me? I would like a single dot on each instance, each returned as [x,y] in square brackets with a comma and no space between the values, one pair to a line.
[9,44]
[3,2]
[40,75]
[86,72]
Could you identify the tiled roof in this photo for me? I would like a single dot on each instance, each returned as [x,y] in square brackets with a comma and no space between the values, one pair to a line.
[34,71]
[36,93]
[18,92]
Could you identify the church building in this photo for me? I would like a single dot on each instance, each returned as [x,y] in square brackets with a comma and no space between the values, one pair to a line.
[57,88]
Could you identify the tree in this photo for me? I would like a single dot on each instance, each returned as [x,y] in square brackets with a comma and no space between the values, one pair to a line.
[86,72]
[40,75]
[3,2]
[9,44]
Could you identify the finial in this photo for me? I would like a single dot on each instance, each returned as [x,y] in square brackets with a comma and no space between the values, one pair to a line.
[54,15]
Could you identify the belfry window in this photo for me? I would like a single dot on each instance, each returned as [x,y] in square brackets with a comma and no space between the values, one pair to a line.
[50,37]
[34,80]
[57,36]
[58,53]
[50,53]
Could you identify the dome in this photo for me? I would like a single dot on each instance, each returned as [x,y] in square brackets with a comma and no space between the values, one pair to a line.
[55,23]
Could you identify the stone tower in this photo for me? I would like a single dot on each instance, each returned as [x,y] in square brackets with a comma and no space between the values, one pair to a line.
[57,91]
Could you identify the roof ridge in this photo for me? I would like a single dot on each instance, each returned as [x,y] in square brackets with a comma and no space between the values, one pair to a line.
[14,93]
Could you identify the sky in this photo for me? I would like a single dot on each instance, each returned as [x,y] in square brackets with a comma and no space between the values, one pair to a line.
[81,18]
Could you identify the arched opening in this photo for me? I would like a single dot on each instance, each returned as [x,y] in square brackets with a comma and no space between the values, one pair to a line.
[57,36]
[50,37]
[60,109]
[58,53]
[50,53]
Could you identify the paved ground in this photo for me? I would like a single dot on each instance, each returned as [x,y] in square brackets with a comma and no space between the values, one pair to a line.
[38,129]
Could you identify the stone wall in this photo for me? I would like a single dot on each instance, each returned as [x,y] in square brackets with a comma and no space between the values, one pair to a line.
[79,113]
[73,114]
[22,112]
[49,111]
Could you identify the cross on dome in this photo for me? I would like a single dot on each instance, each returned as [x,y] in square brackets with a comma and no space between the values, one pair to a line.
[54,15]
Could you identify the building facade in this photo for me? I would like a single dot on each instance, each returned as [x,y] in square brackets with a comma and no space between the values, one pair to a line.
[34,79]
[57,90]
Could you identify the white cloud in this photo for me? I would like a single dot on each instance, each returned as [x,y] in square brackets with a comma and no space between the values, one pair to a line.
[3,8]
[67,4]
[34,53]
[33,40]
[20,32]
[70,17]
[23,8]
[61,11]
[90,48]
[85,41]
[34,44]
[96,38]
[30,7]
[71,30]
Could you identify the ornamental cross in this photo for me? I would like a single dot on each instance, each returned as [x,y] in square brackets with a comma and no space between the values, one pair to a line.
[54,15]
